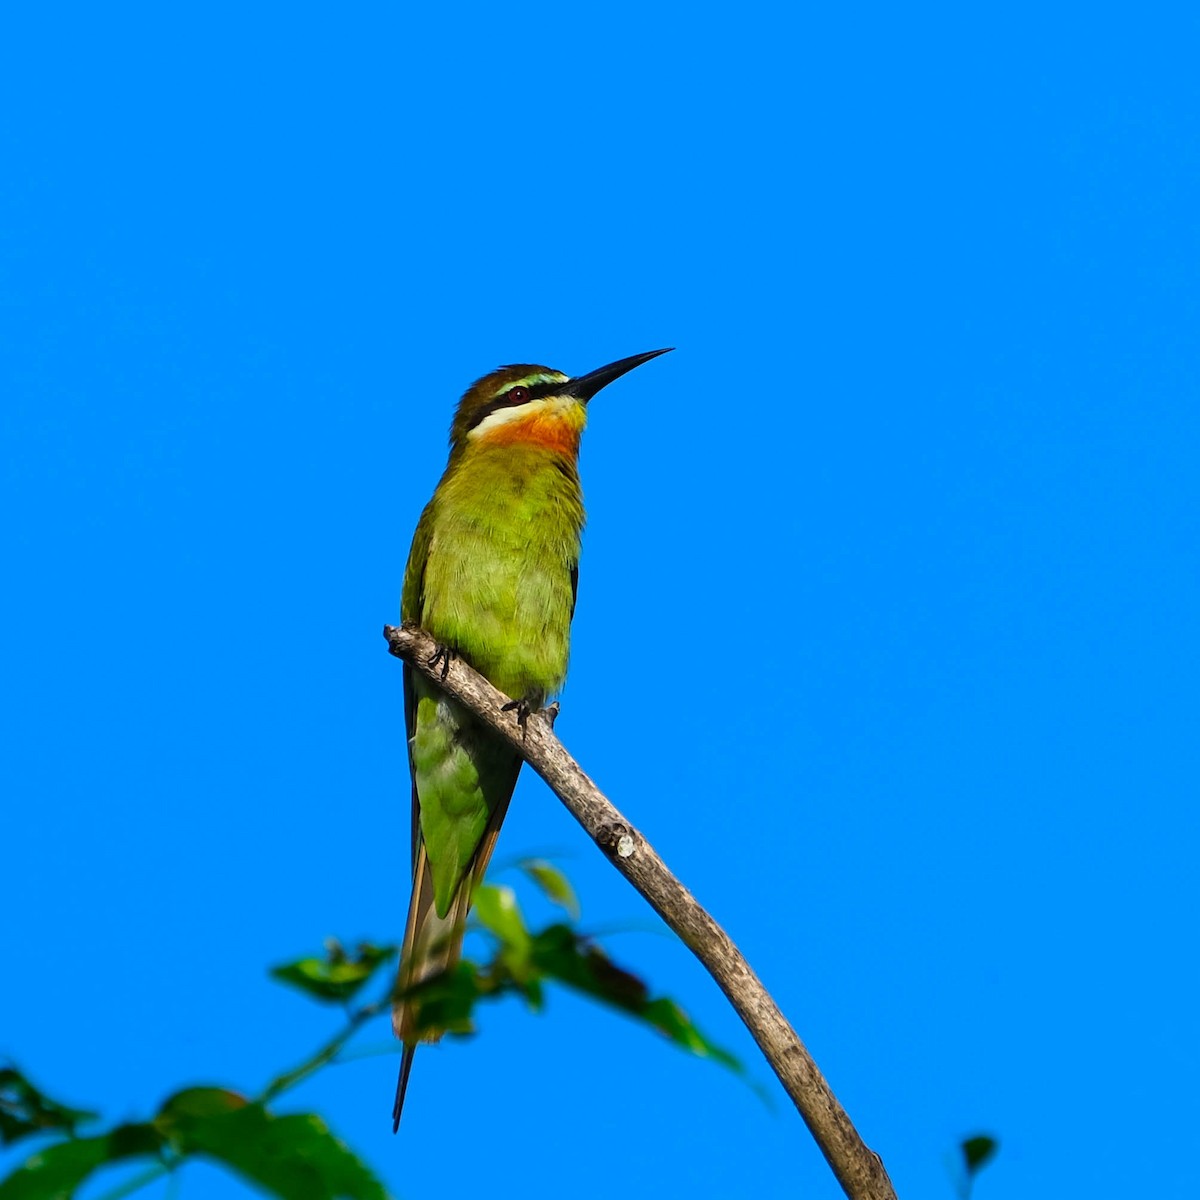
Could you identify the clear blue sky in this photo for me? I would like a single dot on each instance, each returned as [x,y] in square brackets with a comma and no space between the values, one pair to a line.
[906,529]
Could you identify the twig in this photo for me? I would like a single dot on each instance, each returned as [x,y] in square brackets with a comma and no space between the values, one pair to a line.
[858,1169]
[327,1053]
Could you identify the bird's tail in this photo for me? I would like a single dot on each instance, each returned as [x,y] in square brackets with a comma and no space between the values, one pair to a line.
[432,944]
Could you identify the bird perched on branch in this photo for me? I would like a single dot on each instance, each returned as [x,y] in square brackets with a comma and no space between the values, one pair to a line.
[492,576]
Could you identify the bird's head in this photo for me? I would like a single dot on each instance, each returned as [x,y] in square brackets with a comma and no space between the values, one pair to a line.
[530,405]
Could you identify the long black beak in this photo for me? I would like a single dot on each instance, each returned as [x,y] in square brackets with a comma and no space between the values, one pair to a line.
[586,386]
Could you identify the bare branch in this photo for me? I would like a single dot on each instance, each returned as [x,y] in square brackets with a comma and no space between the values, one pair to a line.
[858,1169]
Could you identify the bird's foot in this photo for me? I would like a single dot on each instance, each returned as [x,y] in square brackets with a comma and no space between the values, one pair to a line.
[443,655]
[524,708]
[528,706]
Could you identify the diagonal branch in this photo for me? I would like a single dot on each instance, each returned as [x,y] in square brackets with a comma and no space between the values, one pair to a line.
[858,1169]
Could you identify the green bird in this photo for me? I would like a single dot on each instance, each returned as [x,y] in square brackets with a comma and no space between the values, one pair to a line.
[492,576]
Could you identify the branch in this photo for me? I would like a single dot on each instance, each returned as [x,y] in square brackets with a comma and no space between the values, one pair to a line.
[858,1168]
[327,1053]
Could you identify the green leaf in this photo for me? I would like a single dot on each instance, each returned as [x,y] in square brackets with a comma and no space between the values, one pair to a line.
[553,883]
[295,1157]
[978,1151]
[56,1172]
[498,912]
[25,1110]
[197,1102]
[673,1023]
[336,977]
[564,955]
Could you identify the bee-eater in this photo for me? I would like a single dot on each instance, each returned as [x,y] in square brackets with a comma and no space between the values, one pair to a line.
[492,576]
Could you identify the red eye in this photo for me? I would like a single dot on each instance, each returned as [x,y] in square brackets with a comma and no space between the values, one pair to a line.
[518,395]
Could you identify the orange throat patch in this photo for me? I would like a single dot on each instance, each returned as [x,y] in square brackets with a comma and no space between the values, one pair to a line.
[546,431]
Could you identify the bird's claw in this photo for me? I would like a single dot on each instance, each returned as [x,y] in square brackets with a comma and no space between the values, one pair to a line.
[521,707]
[526,707]
[443,655]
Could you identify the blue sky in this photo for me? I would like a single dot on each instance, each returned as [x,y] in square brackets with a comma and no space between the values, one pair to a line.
[905,532]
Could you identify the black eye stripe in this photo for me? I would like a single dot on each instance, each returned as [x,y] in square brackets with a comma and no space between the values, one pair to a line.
[506,399]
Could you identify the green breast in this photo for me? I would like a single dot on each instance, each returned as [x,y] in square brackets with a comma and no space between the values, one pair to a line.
[504,529]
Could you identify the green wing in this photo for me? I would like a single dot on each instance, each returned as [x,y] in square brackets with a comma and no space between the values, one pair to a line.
[412,597]
[463,776]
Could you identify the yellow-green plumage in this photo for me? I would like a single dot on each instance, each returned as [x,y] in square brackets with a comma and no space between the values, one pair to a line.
[496,587]
[491,575]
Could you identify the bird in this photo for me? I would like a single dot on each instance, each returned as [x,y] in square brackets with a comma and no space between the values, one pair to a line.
[492,576]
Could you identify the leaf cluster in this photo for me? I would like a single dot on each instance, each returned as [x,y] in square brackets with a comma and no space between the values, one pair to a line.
[524,961]
[295,1156]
